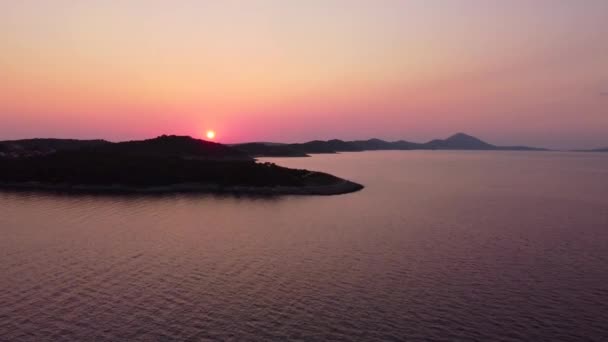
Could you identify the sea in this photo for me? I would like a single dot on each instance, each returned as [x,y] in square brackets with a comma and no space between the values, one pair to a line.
[438,246]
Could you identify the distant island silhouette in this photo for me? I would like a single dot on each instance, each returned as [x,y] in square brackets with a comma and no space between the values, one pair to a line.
[172,163]
[159,165]
[605,149]
[176,145]
[458,141]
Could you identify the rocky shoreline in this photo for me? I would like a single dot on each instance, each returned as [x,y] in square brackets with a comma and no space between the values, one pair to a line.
[338,188]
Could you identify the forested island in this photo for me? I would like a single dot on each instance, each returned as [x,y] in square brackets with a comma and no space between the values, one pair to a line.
[159,165]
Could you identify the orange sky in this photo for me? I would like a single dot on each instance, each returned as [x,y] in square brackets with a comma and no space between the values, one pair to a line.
[511,72]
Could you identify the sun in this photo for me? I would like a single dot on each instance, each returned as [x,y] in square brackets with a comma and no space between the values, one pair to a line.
[210,135]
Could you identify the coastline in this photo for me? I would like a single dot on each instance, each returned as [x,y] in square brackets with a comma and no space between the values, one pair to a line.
[341,187]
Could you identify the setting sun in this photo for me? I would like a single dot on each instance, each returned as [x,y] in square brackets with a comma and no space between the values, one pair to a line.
[210,135]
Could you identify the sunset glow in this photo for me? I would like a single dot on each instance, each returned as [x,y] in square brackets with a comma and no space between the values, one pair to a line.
[526,72]
[272,170]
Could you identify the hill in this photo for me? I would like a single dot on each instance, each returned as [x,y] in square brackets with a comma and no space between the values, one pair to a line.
[377,144]
[163,164]
[462,141]
[34,147]
[269,150]
[170,146]
[193,148]
[459,141]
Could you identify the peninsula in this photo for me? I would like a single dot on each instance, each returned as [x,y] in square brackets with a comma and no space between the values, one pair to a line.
[161,165]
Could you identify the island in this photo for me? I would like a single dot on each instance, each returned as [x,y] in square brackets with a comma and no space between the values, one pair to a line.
[458,141]
[605,149]
[165,164]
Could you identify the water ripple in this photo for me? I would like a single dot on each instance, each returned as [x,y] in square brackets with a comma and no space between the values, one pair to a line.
[439,247]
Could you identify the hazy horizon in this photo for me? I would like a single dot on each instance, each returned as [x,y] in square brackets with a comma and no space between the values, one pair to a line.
[201,136]
[509,73]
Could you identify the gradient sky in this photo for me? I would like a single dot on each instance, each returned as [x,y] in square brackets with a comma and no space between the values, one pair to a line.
[511,72]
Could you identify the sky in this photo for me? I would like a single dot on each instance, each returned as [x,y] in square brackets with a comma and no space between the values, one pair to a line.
[509,72]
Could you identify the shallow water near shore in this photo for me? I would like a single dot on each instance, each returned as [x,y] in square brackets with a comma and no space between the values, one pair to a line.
[437,246]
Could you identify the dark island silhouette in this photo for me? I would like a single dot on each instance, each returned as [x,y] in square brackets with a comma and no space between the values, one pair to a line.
[459,141]
[605,149]
[184,164]
[37,147]
[162,164]
[270,150]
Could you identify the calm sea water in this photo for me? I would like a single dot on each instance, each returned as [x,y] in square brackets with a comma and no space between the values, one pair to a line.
[438,246]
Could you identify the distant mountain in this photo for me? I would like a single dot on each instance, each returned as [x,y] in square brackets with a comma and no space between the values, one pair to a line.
[377,144]
[594,150]
[343,146]
[187,147]
[335,146]
[270,150]
[406,145]
[459,141]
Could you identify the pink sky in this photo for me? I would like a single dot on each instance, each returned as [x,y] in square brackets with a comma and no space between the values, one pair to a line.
[510,72]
